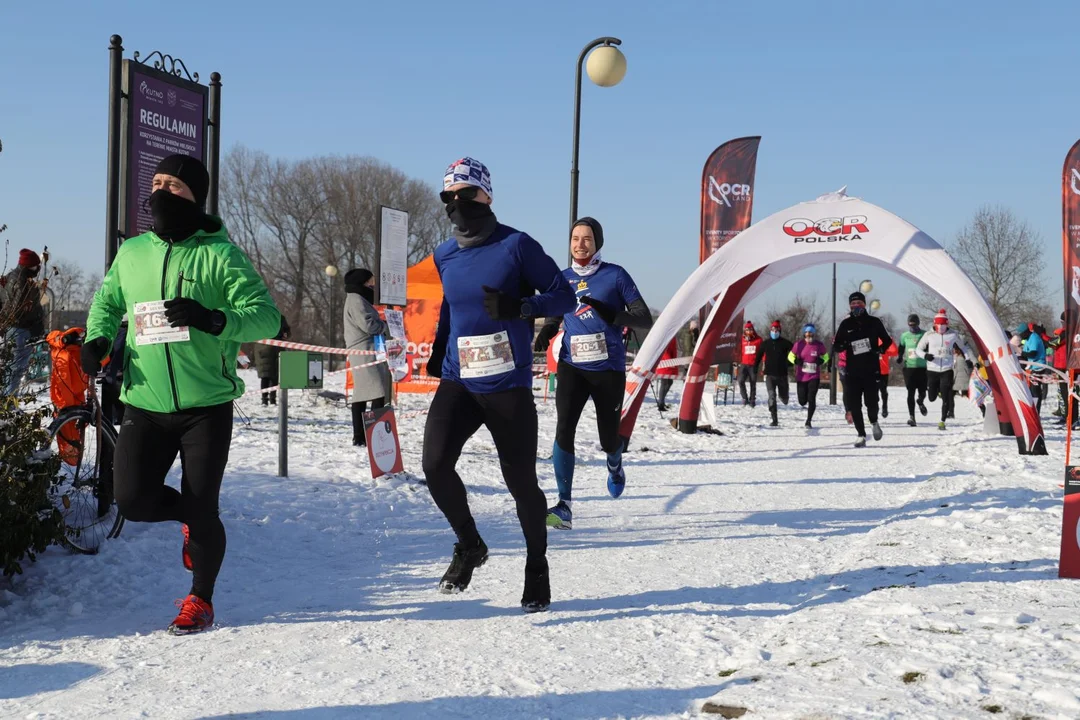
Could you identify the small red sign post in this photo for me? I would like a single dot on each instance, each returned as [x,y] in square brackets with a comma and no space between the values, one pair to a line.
[384,451]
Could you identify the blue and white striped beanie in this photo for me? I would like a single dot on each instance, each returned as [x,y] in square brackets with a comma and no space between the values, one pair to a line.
[468,171]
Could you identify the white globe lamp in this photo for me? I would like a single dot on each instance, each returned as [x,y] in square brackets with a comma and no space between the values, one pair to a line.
[606,66]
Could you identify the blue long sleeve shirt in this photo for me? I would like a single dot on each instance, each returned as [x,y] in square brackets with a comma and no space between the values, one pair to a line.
[590,343]
[488,355]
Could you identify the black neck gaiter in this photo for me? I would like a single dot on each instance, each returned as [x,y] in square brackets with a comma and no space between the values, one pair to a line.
[175,218]
[473,221]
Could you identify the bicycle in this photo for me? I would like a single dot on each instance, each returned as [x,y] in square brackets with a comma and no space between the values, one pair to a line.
[86,443]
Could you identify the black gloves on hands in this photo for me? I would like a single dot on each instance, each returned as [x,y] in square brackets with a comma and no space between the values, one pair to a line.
[900,360]
[929,357]
[182,312]
[435,360]
[544,337]
[606,313]
[93,353]
[970,365]
[501,306]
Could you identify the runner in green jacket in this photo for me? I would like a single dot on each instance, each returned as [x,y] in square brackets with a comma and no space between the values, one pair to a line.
[914,367]
[191,298]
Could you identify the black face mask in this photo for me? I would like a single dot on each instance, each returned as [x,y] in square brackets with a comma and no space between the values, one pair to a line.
[175,218]
[470,217]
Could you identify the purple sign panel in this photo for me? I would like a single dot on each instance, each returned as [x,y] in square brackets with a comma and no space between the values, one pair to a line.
[167,116]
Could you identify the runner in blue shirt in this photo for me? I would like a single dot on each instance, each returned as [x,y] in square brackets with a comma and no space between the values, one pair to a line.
[592,359]
[490,275]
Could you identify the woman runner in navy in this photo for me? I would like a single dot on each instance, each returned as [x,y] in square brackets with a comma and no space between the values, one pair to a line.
[490,274]
[592,360]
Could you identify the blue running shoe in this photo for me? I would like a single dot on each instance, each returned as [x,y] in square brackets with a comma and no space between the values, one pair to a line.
[560,517]
[616,481]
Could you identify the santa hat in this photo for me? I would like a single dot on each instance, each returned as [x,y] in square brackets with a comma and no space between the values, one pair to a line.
[941,318]
[775,325]
[28,258]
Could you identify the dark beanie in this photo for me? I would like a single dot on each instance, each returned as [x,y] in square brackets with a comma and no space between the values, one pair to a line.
[913,318]
[597,230]
[358,276]
[191,171]
[856,296]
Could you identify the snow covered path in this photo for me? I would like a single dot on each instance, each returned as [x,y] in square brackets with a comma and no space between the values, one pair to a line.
[781,572]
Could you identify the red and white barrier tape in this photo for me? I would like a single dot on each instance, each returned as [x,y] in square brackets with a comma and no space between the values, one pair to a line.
[259,391]
[316,348]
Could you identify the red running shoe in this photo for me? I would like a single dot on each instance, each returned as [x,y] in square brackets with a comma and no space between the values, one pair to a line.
[184,553]
[195,616]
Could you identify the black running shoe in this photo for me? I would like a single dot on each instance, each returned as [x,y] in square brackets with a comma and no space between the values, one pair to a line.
[911,420]
[922,408]
[537,595]
[465,560]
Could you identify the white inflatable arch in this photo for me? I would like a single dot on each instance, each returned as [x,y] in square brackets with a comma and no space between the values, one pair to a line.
[834,228]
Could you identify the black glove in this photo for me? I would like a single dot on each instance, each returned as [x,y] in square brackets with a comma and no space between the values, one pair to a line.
[93,353]
[606,312]
[970,365]
[182,312]
[435,360]
[543,338]
[929,357]
[900,360]
[501,306]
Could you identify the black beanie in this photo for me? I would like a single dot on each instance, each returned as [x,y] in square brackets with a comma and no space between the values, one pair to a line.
[191,171]
[597,230]
[856,296]
[913,318]
[357,277]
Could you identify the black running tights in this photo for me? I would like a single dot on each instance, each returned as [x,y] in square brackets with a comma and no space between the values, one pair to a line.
[149,443]
[510,416]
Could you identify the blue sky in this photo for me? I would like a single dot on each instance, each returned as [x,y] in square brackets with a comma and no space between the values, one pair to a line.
[928,109]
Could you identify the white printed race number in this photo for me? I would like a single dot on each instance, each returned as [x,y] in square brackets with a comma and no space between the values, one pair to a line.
[860,346]
[751,349]
[152,327]
[809,368]
[911,354]
[485,355]
[588,348]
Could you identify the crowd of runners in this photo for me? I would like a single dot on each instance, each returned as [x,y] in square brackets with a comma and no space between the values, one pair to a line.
[202,296]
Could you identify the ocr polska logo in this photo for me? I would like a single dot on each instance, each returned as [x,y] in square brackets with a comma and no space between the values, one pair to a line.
[171,97]
[723,193]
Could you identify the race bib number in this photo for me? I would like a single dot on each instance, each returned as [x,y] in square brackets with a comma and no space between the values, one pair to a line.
[152,327]
[485,355]
[860,346]
[751,349]
[588,348]
[809,368]
[911,354]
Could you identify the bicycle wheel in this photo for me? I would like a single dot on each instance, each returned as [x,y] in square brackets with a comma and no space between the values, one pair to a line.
[84,493]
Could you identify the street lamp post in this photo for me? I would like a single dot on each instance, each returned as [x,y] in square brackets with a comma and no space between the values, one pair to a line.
[835,361]
[606,68]
[331,273]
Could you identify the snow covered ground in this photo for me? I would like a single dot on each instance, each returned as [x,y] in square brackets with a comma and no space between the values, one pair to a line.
[784,573]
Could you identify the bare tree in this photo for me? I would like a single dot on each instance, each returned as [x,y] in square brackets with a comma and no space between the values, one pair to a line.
[71,288]
[1000,253]
[799,311]
[294,218]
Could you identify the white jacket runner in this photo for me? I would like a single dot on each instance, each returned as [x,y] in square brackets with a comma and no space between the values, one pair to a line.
[940,345]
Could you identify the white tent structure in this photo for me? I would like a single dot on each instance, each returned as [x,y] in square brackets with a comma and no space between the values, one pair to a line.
[833,228]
